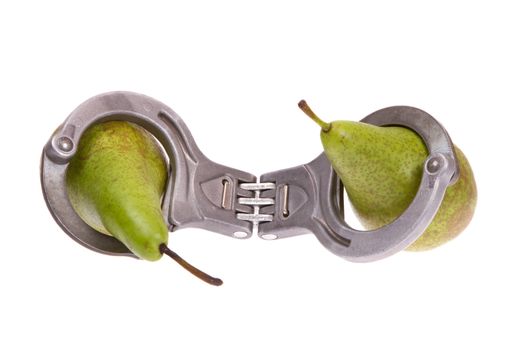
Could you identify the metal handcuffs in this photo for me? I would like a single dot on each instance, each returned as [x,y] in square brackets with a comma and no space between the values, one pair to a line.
[283,203]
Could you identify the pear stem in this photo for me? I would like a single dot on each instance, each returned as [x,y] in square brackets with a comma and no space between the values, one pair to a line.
[190,268]
[308,111]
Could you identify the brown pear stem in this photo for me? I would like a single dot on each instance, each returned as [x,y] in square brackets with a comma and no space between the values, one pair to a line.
[308,111]
[190,268]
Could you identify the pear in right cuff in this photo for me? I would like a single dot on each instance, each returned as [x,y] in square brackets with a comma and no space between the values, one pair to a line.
[381,169]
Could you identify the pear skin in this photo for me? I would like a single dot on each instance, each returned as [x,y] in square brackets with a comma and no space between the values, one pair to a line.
[115,183]
[381,169]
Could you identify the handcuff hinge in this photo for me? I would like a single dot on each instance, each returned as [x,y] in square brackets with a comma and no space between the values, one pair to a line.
[260,196]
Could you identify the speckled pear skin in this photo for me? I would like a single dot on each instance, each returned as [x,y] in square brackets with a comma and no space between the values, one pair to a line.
[381,169]
[115,183]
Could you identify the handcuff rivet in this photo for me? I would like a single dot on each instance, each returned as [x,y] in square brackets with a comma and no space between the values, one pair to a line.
[65,144]
[240,234]
[434,165]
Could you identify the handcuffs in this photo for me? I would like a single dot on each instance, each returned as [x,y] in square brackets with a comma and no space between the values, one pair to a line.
[280,204]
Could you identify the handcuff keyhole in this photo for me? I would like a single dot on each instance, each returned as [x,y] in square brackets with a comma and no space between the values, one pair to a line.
[285,210]
[226,194]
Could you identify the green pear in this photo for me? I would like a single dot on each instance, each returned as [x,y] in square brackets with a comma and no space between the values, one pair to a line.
[115,183]
[381,169]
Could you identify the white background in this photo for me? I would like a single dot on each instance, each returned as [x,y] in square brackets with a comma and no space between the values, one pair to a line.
[234,70]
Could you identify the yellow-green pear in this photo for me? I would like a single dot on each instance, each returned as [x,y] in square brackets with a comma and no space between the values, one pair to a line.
[381,169]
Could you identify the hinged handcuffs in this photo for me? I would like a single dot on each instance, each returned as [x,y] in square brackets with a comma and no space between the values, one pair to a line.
[284,203]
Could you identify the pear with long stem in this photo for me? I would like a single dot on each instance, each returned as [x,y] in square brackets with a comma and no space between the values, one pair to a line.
[115,183]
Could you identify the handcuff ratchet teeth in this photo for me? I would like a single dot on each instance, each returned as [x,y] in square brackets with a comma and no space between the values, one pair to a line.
[284,203]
